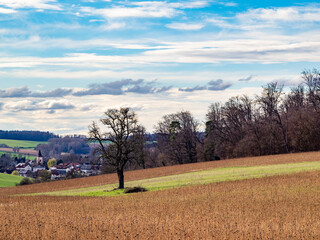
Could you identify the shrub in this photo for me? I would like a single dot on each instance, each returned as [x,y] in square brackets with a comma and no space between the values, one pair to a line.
[25,181]
[15,172]
[70,175]
[44,175]
[135,189]
[37,180]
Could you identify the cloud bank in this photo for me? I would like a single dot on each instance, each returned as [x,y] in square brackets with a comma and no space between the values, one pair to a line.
[213,85]
[120,87]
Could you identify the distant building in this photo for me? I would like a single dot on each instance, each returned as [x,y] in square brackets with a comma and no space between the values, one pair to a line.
[38,168]
[25,170]
[58,174]
[39,159]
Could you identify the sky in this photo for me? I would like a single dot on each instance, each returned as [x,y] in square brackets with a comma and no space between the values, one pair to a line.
[64,63]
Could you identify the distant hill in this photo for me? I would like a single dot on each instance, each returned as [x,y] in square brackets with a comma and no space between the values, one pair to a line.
[27,135]
[20,143]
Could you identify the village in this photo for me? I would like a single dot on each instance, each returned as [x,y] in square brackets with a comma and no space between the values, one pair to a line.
[32,169]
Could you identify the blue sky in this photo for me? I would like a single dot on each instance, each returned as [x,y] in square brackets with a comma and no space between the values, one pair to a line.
[63,63]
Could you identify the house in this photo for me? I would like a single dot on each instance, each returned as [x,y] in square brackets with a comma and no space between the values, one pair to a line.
[73,165]
[86,166]
[58,174]
[61,166]
[96,169]
[24,169]
[38,168]
[23,166]
[29,174]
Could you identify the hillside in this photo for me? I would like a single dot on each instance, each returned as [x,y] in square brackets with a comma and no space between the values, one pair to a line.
[105,179]
[20,143]
[201,177]
[8,180]
[282,206]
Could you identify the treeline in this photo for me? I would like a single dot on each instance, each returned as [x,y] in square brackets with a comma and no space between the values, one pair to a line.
[27,135]
[272,122]
[59,146]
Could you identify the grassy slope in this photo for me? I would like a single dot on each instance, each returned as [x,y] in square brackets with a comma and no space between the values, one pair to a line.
[105,179]
[20,143]
[12,155]
[195,178]
[7,180]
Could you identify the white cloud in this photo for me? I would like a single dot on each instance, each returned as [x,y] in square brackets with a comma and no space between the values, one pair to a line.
[190,4]
[7,11]
[145,10]
[113,26]
[270,18]
[30,105]
[185,26]
[286,14]
[38,4]
[253,47]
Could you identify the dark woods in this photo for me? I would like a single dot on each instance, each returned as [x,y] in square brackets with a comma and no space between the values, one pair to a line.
[27,135]
[273,122]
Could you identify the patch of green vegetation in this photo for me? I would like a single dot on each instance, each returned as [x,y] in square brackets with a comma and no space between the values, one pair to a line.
[8,180]
[13,155]
[194,178]
[20,143]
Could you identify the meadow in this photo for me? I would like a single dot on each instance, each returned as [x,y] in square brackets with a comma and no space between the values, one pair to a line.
[18,155]
[20,143]
[193,178]
[284,206]
[8,180]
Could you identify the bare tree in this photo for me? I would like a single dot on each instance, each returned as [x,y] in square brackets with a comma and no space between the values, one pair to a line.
[273,122]
[270,103]
[178,136]
[312,80]
[116,146]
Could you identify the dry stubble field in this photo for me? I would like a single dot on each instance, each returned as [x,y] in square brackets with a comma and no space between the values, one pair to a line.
[279,207]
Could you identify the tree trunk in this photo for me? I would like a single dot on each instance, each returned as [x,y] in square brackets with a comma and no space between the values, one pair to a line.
[121,178]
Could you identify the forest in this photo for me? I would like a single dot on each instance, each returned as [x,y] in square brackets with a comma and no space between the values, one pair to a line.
[27,135]
[273,122]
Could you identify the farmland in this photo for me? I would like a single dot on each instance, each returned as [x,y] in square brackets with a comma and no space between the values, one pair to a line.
[20,143]
[282,206]
[195,178]
[18,155]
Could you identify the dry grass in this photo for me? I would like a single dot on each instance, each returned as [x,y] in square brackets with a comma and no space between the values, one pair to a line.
[162,171]
[281,207]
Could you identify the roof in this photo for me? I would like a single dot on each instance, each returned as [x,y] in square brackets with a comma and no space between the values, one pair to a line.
[22,165]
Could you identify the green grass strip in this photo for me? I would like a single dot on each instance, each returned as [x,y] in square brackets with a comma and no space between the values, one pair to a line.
[21,143]
[193,178]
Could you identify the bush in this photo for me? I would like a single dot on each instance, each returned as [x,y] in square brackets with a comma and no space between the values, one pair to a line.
[70,175]
[15,172]
[37,180]
[44,175]
[25,181]
[135,189]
